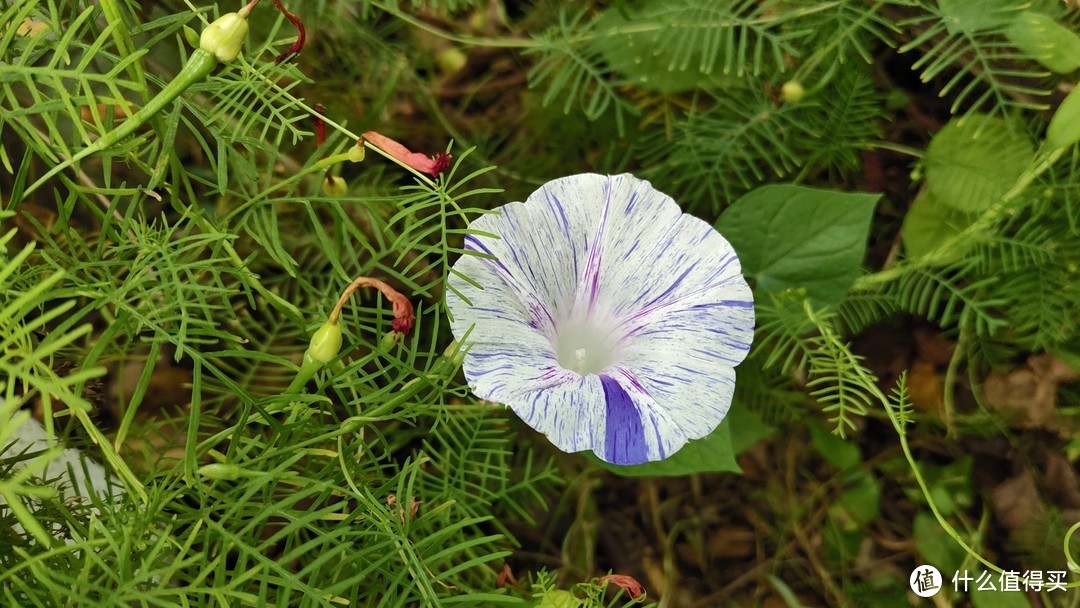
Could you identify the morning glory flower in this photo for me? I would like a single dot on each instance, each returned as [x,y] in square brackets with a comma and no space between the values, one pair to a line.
[605,317]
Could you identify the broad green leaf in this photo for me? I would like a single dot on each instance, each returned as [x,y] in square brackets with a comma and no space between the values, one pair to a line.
[973,160]
[841,541]
[1039,36]
[857,506]
[747,428]
[950,485]
[976,15]
[789,237]
[1064,127]
[929,223]
[710,454]
[839,452]
[861,497]
[935,546]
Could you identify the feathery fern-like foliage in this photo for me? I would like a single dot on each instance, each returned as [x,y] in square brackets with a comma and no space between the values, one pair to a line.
[206,246]
[325,498]
[964,45]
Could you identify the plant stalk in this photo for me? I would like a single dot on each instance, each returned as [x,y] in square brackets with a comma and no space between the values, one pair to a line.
[198,67]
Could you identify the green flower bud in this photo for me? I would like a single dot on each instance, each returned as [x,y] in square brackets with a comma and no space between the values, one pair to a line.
[389,340]
[334,186]
[792,91]
[454,354]
[356,153]
[325,344]
[451,60]
[353,424]
[224,37]
[219,470]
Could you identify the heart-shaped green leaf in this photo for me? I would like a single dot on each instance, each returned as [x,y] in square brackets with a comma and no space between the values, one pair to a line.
[973,160]
[789,237]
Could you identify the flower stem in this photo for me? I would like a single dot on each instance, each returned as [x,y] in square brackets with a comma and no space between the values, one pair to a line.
[326,342]
[198,67]
[306,372]
[983,224]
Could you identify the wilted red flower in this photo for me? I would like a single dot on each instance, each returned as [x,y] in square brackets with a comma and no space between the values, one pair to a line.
[320,125]
[629,584]
[402,307]
[432,165]
[301,34]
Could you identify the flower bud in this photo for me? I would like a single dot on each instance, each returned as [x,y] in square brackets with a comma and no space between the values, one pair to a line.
[217,470]
[353,424]
[390,339]
[451,60]
[792,91]
[325,344]
[454,354]
[357,152]
[334,186]
[224,37]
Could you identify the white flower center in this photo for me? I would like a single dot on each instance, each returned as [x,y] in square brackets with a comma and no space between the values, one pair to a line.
[585,346]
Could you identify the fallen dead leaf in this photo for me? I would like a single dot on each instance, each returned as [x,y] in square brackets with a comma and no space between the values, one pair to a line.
[932,347]
[1027,396]
[1016,502]
[731,542]
[1061,481]
[925,387]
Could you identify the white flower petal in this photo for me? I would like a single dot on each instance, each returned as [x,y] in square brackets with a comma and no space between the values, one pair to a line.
[570,412]
[509,346]
[610,414]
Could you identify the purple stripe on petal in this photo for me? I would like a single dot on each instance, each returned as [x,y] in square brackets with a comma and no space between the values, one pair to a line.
[737,303]
[472,240]
[591,278]
[632,379]
[659,443]
[562,212]
[673,287]
[625,442]
[568,231]
[541,313]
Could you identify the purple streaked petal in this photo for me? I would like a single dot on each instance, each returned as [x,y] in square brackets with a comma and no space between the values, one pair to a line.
[607,319]
[663,253]
[571,413]
[624,440]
